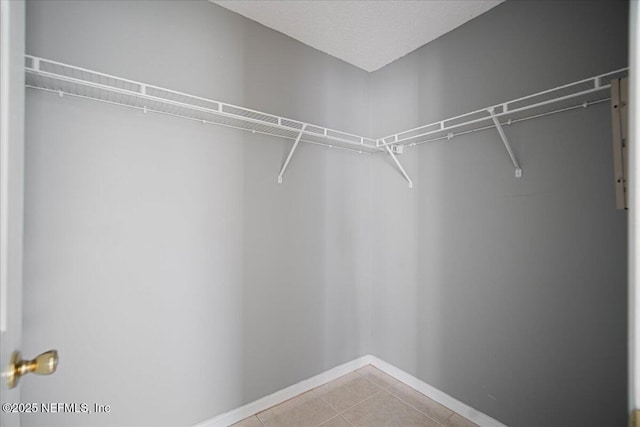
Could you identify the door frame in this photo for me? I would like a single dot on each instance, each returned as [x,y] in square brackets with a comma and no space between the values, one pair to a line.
[634,215]
[12,94]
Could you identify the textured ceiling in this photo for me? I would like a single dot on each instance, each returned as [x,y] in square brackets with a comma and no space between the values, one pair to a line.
[367,34]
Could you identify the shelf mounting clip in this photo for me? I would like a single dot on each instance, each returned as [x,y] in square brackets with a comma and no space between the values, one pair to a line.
[397,162]
[286,162]
[496,122]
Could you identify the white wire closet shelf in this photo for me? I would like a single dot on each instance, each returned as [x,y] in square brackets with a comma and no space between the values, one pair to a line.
[580,94]
[65,79]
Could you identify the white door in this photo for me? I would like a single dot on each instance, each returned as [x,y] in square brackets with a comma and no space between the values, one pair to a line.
[12,25]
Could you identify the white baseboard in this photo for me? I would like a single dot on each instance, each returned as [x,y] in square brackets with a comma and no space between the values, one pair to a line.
[238,414]
[439,396]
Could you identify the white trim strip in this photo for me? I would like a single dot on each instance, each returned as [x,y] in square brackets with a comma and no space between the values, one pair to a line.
[239,414]
[634,209]
[4,163]
[439,396]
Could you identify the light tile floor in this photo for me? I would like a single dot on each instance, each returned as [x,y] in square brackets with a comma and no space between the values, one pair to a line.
[365,398]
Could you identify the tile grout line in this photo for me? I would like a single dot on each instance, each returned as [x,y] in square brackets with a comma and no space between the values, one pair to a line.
[347,421]
[387,387]
[257,414]
[418,410]
[423,413]
[390,386]
[333,418]
[339,414]
[382,387]
[450,415]
[361,402]
[351,407]
[328,404]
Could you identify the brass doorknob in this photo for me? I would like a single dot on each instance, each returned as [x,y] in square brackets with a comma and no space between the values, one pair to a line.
[45,364]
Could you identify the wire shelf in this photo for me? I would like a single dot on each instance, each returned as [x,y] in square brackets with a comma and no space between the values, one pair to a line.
[580,94]
[65,79]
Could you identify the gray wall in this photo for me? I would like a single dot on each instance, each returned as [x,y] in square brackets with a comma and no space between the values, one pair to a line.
[176,278]
[158,240]
[508,294]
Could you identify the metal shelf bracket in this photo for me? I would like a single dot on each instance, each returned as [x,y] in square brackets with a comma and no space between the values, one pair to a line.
[516,164]
[397,162]
[295,145]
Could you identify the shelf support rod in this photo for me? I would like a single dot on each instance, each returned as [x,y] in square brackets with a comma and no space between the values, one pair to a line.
[395,159]
[506,142]
[295,145]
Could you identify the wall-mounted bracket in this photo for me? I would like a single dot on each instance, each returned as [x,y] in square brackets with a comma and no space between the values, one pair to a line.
[286,162]
[395,159]
[397,149]
[620,127]
[506,142]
